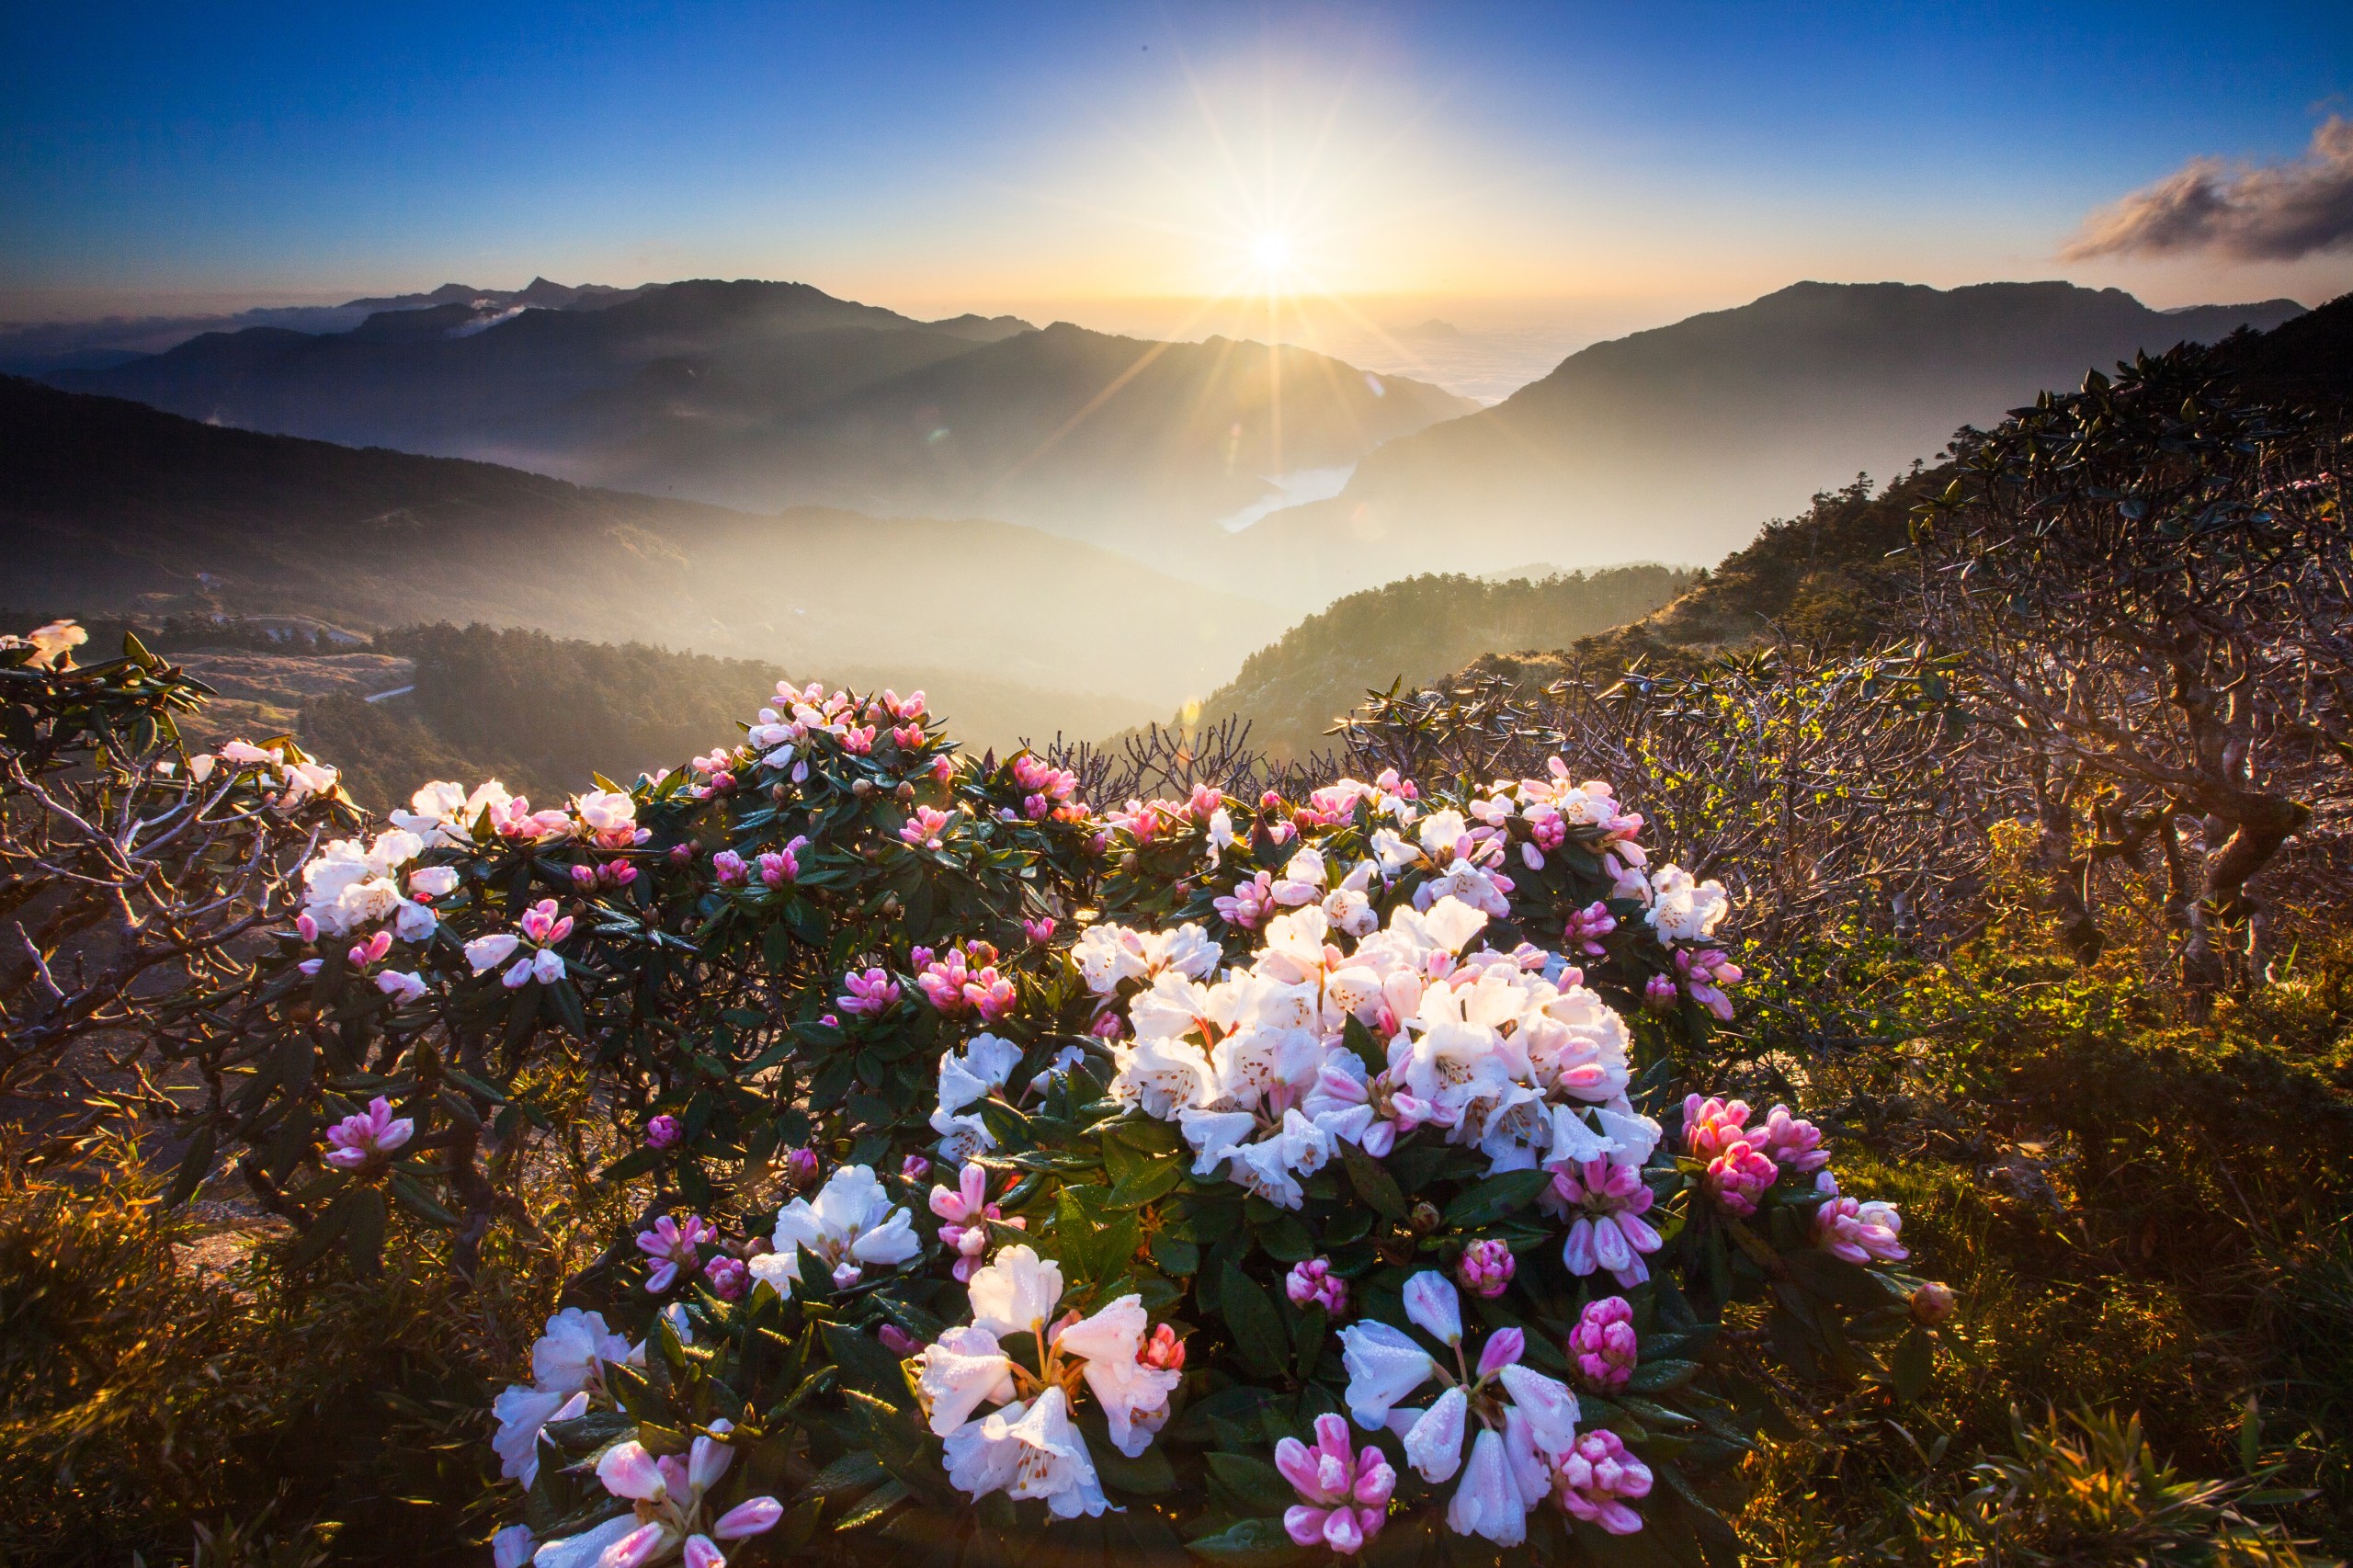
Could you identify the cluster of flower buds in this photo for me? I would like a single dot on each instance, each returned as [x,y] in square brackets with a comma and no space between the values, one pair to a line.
[675,1249]
[590,878]
[967,1214]
[1312,1283]
[1602,1344]
[1486,1268]
[964,979]
[870,994]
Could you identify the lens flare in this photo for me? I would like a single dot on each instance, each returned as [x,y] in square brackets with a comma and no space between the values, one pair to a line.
[1271,251]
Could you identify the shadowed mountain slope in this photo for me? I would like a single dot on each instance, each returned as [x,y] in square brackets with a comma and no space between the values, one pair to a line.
[106,504]
[767,395]
[1669,444]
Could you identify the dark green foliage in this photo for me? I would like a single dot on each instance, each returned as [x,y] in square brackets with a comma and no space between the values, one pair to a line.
[1415,630]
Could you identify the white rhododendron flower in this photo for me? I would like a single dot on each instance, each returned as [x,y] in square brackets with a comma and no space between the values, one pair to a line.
[444,814]
[852,1226]
[607,811]
[347,884]
[1028,1451]
[1106,954]
[1685,911]
[966,1078]
[1031,1448]
[567,1369]
[433,882]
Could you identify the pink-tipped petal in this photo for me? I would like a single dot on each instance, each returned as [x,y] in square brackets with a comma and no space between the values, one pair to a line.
[754,1516]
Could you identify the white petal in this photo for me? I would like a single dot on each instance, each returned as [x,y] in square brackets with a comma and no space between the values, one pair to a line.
[1434,1444]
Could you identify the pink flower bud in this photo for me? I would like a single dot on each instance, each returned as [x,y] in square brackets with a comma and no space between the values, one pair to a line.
[897,1340]
[1486,1268]
[1312,1282]
[1163,1350]
[727,1277]
[307,927]
[1603,1344]
[801,1168]
[1933,1303]
[663,1132]
[753,1517]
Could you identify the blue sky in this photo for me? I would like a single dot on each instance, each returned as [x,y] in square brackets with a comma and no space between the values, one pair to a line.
[1502,163]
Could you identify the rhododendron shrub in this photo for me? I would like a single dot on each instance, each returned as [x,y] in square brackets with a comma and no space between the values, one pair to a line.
[728,947]
[1321,1185]
[1239,1179]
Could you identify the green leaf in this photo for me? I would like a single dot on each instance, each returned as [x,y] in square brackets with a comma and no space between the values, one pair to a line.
[195,1166]
[1286,1239]
[1372,1182]
[1146,1183]
[1007,1125]
[1253,1543]
[846,1474]
[421,1203]
[865,1364]
[1495,1197]
[1251,1320]
[1176,1255]
[1369,1051]
[876,1504]
[1659,1377]
[1915,1365]
[324,1231]
[363,1234]
[636,1162]
[1253,1481]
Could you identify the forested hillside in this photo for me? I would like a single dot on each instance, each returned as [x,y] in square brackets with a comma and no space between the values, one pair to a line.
[1291,691]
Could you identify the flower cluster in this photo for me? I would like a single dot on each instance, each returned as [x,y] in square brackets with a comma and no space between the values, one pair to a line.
[1522,1425]
[1343,1492]
[443,814]
[567,1376]
[367,1137]
[1047,791]
[543,928]
[52,646]
[348,885]
[966,1215]
[287,778]
[668,1501]
[964,979]
[1504,1051]
[1030,1446]
[1744,1163]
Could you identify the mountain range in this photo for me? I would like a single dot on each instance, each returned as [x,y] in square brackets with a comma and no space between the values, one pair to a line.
[37,348]
[1671,444]
[108,504]
[767,395]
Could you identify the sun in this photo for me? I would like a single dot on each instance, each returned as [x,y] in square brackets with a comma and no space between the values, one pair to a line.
[1271,250]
